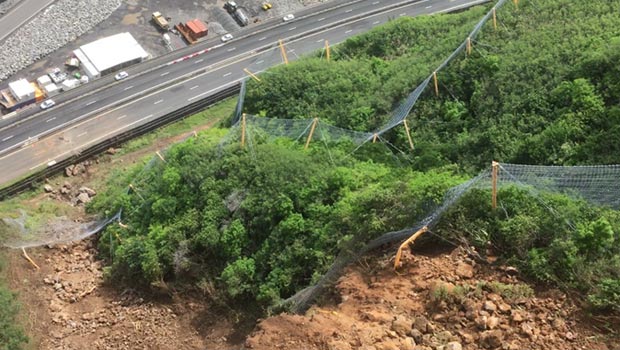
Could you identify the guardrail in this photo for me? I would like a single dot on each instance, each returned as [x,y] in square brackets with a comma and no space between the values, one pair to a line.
[194,107]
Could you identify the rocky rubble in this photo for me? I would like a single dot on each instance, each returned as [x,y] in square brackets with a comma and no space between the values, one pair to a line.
[82,195]
[440,303]
[83,314]
[59,24]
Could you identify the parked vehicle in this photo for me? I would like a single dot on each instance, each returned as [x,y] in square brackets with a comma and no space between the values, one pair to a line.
[160,20]
[121,75]
[266,6]
[237,13]
[227,37]
[47,104]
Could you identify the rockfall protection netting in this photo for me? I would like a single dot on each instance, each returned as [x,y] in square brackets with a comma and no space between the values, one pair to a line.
[599,185]
[400,113]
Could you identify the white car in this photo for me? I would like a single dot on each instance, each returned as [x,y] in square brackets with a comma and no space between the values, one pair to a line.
[47,104]
[121,75]
[227,37]
[288,17]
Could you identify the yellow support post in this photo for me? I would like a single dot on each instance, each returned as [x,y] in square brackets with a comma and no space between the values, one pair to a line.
[243,130]
[494,19]
[314,122]
[136,191]
[29,259]
[283,52]
[405,244]
[374,138]
[468,45]
[252,75]
[494,174]
[160,156]
[408,134]
[327,55]
[436,83]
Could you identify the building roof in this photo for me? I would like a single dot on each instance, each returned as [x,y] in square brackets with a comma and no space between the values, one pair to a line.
[113,50]
[21,88]
[196,26]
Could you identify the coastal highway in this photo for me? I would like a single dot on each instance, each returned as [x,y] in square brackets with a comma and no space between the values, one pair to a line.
[74,125]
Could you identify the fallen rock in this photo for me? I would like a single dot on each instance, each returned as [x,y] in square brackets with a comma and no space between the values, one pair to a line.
[421,323]
[401,326]
[83,198]
[489,306]
[48,188]
[492,322]
[453,345]
[491,339]
[87,190]
[69,170]
[464,270]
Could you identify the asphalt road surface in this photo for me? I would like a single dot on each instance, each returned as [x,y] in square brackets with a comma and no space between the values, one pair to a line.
[75,125]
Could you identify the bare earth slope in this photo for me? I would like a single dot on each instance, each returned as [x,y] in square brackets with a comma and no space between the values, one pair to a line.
[444,301]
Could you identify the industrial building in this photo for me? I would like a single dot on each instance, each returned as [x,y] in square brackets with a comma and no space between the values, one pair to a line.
[110,54]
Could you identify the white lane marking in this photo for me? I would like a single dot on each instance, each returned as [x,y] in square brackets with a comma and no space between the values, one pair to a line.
[90,103]
[349,10]
[263,38]
[193,87]
[158,101]
[231,49]
[147,117]
[82,134]
[376,2]
[49,120]
[200,60]
[227,74]
[7,138]
[127,88]
[291,50]
[428,7]
[403,14]
[320,40]
[348,31]
[320,19]
[162,74]
[121,117]
[292,28]
[376,22]
[259,62]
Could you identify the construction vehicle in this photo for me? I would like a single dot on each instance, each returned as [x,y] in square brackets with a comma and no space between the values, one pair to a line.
[237,13]
[266,6]
[160,20]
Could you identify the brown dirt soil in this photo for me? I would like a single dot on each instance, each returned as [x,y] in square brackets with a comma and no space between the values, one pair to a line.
[69,307]
[444,302]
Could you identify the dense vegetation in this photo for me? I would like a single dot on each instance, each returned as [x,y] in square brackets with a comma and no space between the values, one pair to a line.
[259,224]
[542,89]
[262,223]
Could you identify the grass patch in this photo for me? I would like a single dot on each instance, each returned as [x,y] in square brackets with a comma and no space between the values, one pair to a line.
[12,336]
[508,291]
[216,112]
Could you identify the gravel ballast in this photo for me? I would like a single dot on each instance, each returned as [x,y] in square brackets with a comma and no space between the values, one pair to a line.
[53,28]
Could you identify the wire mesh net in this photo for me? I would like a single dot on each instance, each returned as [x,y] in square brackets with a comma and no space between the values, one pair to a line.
[598,185]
